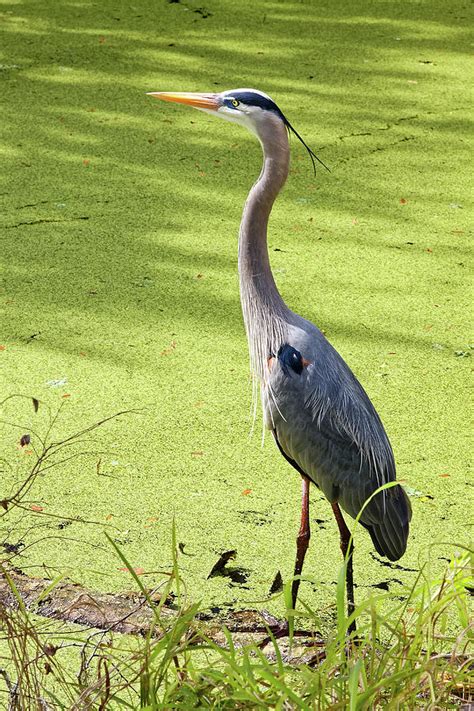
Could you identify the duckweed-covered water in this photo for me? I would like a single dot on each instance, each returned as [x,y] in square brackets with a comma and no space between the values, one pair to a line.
[119,227]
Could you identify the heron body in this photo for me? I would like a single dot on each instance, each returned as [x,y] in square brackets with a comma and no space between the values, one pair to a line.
[322,419]
[325,423]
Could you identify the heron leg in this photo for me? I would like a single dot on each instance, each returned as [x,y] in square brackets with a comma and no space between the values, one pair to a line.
[281,628]
[302,540]
[347,548]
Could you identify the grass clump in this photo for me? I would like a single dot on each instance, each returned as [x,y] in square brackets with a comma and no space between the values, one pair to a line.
[408,653]
[412,649]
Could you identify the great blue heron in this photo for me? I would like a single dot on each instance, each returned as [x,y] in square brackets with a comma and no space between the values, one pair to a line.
[322,420]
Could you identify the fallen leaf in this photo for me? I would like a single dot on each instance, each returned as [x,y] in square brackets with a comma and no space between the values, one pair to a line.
[403,201]
[169,350]
[197,453]
[102,39]
[50,650]
[56,383]
[137,571]
[277,584]
[66,395]
[151,520]
[36,507]
[109,517]
[86,162]
[444,476]
[412,492]
[26,439]
[222,562]
[246,492]
[3,348]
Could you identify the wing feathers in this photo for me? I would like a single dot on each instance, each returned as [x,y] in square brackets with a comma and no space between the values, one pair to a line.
[325,424]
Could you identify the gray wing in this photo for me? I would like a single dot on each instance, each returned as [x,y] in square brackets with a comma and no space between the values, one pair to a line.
[327,427]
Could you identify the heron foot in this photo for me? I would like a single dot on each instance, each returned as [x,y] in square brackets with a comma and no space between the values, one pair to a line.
[278,628]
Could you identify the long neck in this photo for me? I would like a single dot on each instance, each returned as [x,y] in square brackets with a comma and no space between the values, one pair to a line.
[265,313]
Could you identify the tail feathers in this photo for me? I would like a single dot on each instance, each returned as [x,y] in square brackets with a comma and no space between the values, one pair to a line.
[390,536]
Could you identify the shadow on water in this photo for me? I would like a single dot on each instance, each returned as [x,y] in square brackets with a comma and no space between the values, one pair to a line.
[144,194]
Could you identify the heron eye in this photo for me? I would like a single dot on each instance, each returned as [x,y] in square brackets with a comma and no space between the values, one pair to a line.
[235,103]
[289,357]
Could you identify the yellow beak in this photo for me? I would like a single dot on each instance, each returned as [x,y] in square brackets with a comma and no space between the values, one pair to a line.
[199,101]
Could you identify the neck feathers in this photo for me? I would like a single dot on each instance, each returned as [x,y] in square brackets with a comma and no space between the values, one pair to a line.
[266,315]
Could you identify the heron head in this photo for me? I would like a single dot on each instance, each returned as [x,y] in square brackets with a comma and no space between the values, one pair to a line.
[247,107]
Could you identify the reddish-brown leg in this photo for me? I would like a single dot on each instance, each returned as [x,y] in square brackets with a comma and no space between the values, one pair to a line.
[346,545]
[302,540]
[304,533]
[280,628]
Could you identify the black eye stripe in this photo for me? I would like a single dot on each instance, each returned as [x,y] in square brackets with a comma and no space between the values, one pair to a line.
[252,99]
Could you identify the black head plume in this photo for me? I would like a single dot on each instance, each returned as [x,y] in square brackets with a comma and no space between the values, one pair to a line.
[255,98]
[312,154]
